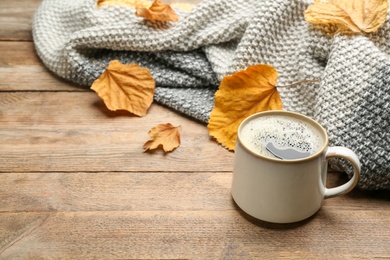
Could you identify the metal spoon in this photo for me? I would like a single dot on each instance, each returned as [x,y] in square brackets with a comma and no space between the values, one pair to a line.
[286,153]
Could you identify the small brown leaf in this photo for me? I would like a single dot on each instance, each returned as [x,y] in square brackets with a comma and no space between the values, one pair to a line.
[165,135]
[126,87]
[356,15]
[158,11]
[239,96]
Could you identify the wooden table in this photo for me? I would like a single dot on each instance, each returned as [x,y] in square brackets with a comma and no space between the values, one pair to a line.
[75,183]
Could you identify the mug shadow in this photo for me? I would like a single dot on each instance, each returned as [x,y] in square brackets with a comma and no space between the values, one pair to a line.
[271,225]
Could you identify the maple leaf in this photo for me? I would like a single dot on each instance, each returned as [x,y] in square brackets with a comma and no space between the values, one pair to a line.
[158,11]
[356,15]
[125,87]
[239,96]
[165,135]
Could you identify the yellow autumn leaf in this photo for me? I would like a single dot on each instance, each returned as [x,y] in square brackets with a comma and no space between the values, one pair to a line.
[165,135]
[356,15]
[239,96]
[158,11]
[126,87]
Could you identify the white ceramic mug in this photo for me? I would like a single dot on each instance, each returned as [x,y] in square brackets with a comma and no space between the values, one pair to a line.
[285,191]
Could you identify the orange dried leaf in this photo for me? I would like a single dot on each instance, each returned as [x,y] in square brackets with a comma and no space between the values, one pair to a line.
[126,87]
[356,15]
[239,96]
[165,135]
[158,11]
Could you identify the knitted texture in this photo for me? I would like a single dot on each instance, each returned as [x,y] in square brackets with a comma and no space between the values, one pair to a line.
[188,59]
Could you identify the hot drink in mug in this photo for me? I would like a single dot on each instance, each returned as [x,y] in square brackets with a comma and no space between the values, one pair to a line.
[280,167]
[271,135]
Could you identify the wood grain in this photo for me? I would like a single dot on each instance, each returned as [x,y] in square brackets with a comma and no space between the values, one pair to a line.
[76,132]
[22,70]
[16,19]
[142,191]
[193,235]
[115,191]
[75,183]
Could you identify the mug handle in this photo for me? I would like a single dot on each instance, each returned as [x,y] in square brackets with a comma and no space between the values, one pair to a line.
[348,154]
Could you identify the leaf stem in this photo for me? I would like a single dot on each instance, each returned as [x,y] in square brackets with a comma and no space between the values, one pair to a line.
[299,82]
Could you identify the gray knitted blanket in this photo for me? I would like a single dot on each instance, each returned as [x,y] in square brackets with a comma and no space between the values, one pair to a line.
[76,40]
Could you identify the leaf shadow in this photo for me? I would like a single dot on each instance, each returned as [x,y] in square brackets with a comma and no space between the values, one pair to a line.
[158,151]
[99,104]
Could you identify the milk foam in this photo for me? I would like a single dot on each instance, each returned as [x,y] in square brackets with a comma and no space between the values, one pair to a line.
[283,131]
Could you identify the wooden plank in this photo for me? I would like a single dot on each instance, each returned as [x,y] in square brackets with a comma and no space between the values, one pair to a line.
[143,191]
[16,19]
[69,131]
[115,191]
[192,235]
[22,70]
